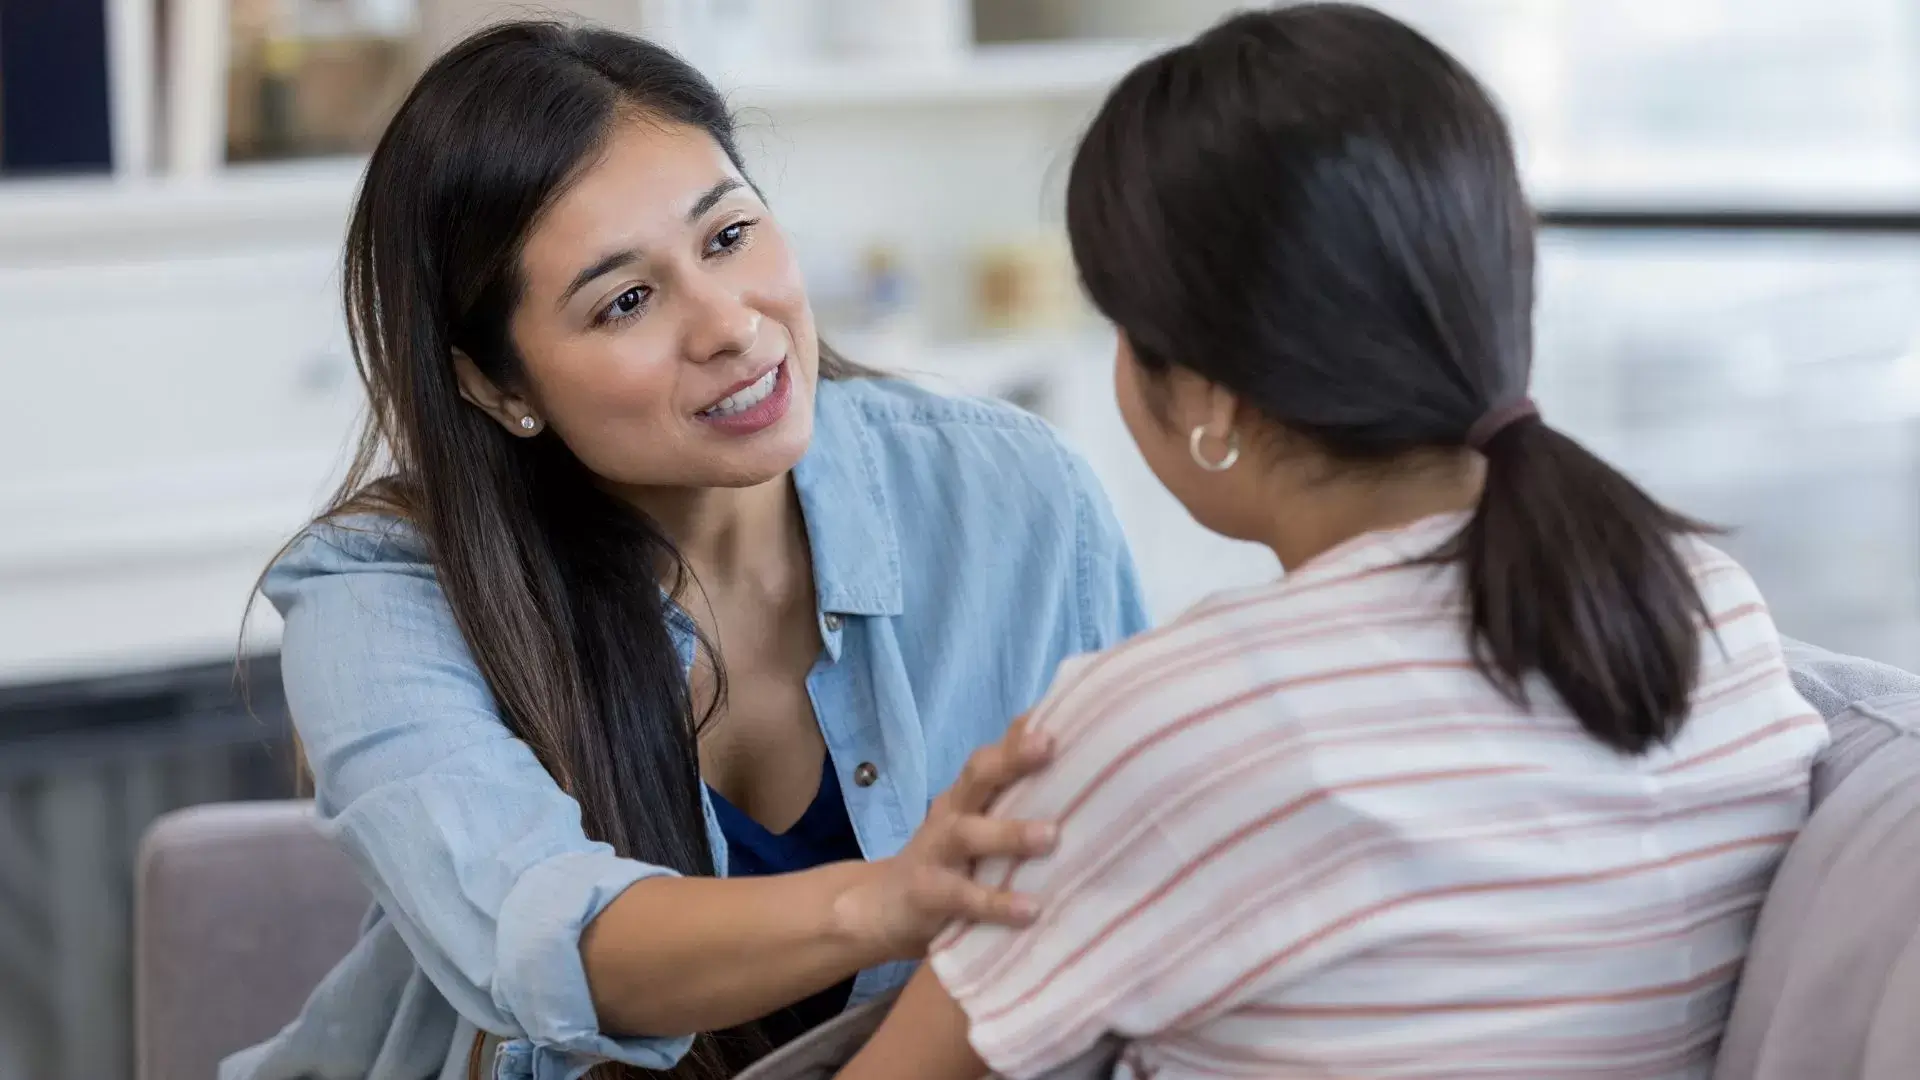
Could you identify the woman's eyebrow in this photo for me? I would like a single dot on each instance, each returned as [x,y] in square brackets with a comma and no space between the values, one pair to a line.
[606,264]
[711,199]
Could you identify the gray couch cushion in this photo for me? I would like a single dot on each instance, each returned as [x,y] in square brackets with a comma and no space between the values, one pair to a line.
[240,909]
[819,1053]
[1831,987]
[1833,683]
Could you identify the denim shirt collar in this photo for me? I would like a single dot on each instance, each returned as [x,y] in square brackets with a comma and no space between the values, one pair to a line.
[850,526]
[856,552]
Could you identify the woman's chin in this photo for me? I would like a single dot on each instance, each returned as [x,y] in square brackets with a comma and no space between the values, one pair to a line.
[770,455]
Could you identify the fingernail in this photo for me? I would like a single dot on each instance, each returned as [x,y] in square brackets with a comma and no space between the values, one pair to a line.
[1025,908]
[1042,835]
[1040,744]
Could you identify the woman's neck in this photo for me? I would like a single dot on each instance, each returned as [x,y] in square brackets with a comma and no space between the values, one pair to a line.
[1327,513]
[748,536]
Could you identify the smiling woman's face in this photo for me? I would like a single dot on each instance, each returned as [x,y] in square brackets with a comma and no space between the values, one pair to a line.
[664,329]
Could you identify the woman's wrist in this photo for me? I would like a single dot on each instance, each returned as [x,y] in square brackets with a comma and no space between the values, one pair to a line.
[858,918]
[748,946]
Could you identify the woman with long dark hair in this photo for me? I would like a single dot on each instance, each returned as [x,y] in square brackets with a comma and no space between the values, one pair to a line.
[1494,780]
[654,665]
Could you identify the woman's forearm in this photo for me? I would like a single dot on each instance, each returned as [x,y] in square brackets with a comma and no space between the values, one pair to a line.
[924,1036]
[673,956]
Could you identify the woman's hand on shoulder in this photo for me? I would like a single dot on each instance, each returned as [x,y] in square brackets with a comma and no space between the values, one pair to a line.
[900,903]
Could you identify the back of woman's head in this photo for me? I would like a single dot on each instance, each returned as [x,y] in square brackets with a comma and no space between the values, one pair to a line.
[1319,210]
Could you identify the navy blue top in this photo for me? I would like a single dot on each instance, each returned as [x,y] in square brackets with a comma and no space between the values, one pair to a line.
[824,834]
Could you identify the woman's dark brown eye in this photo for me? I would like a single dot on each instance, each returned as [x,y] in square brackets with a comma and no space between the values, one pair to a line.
[733,238]
[628,302]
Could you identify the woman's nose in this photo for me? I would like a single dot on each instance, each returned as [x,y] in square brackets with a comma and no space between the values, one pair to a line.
[720,323]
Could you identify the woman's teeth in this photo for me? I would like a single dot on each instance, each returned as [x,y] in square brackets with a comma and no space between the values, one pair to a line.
[742,400]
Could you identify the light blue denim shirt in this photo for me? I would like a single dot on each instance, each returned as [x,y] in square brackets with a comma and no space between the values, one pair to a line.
[960,554]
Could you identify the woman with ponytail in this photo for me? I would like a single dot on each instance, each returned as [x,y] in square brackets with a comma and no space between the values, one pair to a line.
[1494,780]
[654,665]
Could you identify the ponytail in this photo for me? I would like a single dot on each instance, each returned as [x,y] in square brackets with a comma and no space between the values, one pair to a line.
[1572,572]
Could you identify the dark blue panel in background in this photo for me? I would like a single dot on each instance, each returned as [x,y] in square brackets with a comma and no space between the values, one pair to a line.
[53,87]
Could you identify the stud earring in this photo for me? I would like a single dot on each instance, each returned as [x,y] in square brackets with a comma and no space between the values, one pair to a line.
[528,423]
[1200,458]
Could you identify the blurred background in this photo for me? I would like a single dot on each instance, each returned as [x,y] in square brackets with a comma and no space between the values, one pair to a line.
[1729,192]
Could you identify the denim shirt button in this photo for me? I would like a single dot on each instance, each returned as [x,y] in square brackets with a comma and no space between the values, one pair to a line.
[832,622]
[866,773]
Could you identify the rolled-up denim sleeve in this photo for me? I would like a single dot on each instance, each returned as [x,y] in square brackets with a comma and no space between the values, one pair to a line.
[466,842]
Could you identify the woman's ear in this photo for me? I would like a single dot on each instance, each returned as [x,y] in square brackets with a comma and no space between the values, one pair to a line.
[1196,402]
[1222,412]
[510,412]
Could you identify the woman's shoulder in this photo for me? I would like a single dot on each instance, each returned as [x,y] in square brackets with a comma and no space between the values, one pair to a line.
[360,603]
[356,545]
[899,407]
[1726,590]
[916,430]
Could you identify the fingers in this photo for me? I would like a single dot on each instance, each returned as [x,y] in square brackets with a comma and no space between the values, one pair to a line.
[992,768]
[975,837]
[957,833]
[948,895]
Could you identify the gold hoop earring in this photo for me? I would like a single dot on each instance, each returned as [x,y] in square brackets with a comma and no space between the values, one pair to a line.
[1200,459]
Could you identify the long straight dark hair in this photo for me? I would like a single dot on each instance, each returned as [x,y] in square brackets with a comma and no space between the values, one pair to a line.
[1318,209]
[556,586]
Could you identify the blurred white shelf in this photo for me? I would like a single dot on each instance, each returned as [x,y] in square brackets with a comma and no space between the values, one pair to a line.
[1026,71]
[122,619]
[1878,180]
[307,201]
[66,220]
[1002,365]
[256,205]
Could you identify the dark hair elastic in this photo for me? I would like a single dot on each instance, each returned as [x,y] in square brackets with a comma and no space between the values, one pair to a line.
[1498,419]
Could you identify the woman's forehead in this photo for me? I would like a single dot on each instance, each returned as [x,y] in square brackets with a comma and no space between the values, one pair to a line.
[637,194]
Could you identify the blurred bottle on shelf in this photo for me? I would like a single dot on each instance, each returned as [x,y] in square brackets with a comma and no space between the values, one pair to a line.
[865,294]
[1027,284]
[887,296]
[312,77]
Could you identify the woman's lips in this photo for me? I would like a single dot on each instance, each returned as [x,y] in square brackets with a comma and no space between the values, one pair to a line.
[760,414]
[742,385]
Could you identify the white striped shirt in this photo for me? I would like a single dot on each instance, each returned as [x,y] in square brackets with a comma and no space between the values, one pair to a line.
[1301,836]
